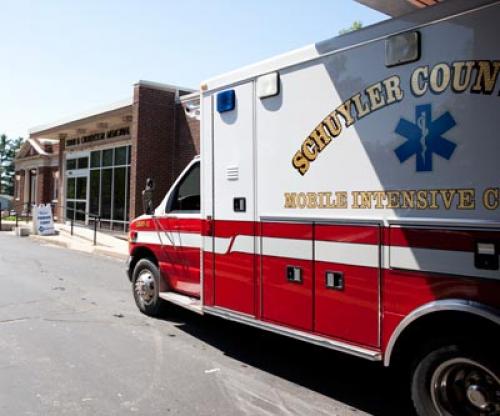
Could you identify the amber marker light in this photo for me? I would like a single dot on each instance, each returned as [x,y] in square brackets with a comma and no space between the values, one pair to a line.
[132,236]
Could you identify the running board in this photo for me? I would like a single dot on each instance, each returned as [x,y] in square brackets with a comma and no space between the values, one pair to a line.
[193,304]
[303,336]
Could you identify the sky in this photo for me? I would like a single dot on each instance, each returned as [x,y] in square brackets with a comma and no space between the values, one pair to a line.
[62,57]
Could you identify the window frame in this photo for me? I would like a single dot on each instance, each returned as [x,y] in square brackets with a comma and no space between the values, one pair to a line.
[175,191]
[161,209]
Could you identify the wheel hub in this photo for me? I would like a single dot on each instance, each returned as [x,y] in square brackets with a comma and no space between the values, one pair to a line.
[463,387]
[145,287]
[477,397]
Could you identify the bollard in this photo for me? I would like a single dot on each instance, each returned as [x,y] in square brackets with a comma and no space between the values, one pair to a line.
[17,220]
[95,231]
[71,226]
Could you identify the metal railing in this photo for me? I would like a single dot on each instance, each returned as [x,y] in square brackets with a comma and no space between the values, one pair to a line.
[26,214]
[14,212]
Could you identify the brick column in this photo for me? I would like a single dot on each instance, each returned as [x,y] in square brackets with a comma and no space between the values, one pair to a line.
[153,144]
[187,139]
[18,203]
[62,167]
[44,185]
[27,184]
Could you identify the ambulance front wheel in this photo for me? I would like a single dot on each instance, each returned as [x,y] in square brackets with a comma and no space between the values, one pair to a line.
[146,288]
[456,381]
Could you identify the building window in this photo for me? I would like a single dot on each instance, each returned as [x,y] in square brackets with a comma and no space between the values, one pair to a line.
[109,186]
[70,164]
[77,163]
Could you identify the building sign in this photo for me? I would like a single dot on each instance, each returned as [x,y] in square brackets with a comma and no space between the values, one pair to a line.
[75,141]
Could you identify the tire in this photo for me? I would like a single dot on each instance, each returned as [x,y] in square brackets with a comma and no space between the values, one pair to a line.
[453,380]
[146,288]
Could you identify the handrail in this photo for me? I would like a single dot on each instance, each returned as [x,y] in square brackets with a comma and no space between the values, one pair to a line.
[26,209]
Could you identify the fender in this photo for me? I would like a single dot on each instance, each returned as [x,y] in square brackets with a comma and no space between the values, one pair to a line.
[457,305]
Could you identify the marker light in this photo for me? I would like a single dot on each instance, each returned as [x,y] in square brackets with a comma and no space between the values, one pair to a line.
[132,236]
[226,101]
[268,85]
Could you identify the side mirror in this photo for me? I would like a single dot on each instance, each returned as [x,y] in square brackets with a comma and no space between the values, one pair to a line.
[147,197]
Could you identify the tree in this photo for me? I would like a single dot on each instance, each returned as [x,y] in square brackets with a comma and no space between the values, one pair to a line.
[8,148]
[356,25]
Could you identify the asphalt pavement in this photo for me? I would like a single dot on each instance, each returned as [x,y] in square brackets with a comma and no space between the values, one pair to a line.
[73,343]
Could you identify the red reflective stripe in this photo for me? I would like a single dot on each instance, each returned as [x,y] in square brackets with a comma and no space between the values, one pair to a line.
[431,238]
[287,230]
[187,225]
[233,228]
[440,239]
[363,234]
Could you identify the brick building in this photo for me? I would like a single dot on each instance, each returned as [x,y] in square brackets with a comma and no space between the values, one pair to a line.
[37,173]
[105,157]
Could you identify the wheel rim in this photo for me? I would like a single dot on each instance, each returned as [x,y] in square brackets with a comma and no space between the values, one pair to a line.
[145,287]
[463,387]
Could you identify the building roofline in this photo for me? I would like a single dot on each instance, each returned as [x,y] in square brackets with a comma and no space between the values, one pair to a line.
[82,116]
[108,108]
[45,140]
[162,86]
[189,97]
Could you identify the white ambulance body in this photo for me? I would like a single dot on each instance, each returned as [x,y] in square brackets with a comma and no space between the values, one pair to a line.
[261,137]
[350,197]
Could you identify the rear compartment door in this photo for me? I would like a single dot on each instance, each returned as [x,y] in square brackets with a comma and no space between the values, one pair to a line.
[347,273]
[287,274]
[234,227]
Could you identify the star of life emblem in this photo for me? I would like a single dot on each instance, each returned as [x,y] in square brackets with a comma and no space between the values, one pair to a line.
[424,138]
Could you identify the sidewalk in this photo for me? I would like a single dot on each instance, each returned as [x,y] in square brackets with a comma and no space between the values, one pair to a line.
[81,240]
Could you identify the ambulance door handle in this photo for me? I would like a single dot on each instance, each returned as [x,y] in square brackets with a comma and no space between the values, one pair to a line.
[294,274]
[334,280]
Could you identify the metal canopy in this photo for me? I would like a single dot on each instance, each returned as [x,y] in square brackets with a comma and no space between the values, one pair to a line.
[397,8]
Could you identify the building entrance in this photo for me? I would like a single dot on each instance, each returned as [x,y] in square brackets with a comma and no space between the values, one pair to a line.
[77,173]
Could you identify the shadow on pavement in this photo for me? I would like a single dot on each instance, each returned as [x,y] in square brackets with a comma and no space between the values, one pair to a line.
[358,383]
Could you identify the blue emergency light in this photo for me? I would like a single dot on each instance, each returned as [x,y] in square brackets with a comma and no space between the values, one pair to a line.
[225,101]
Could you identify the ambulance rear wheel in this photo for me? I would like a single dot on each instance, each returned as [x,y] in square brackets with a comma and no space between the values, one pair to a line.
[452,381]
[146,288]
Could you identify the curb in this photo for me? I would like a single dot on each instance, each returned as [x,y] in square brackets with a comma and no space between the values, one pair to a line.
[110,253]
[100,251]
[47,240]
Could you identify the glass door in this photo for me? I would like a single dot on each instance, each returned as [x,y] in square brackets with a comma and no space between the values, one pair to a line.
[76,198]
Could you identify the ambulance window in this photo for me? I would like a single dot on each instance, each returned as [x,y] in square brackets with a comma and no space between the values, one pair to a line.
[186,196]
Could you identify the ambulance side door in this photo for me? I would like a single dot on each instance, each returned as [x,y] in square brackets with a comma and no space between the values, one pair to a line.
[234,199]
[180,233]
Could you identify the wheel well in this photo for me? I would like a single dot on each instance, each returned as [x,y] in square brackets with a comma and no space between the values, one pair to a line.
[138,254]
[437,328]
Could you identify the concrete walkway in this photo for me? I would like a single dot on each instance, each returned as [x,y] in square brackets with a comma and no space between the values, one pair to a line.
[81,240]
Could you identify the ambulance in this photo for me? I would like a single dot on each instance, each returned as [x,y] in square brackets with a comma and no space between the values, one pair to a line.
[347,194]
